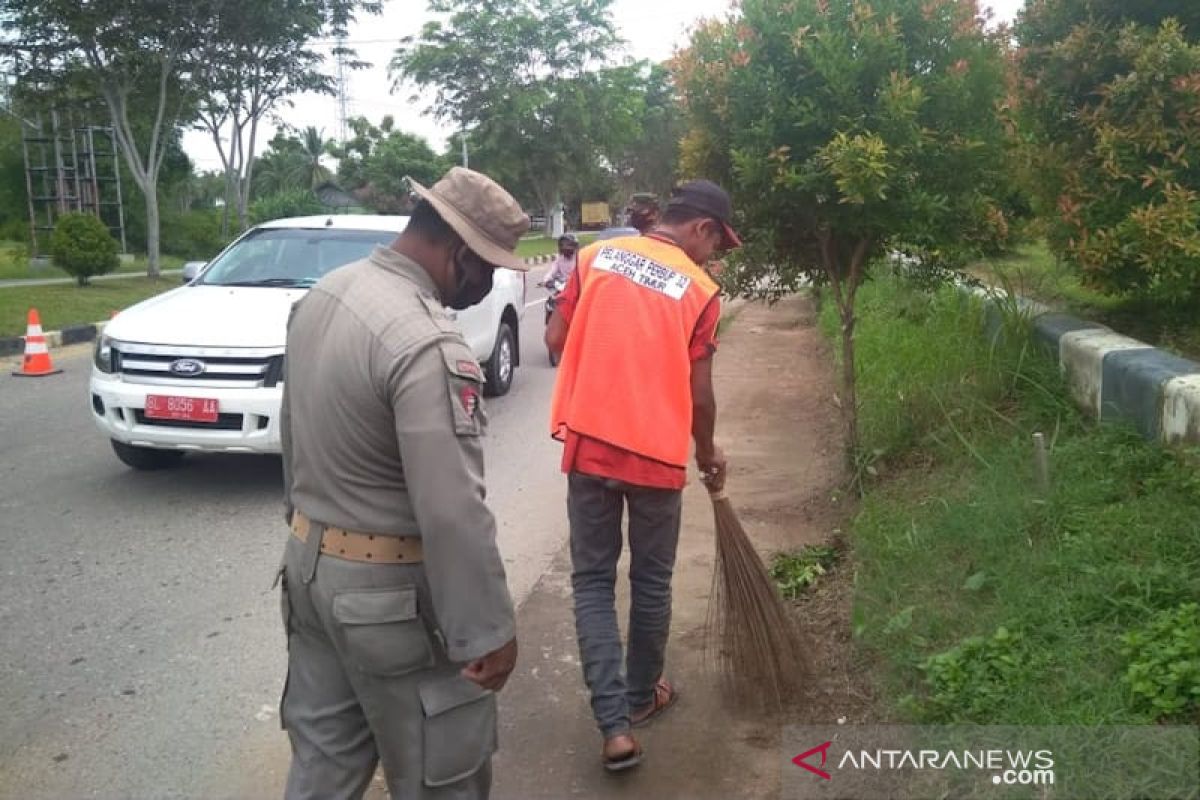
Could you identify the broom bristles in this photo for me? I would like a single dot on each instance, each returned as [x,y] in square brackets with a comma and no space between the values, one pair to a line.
[759,651]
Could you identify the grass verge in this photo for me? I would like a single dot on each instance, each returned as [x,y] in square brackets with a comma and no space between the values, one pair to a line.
[985,599]
[67,304]
[544,245]
[14,264]
[1033,271]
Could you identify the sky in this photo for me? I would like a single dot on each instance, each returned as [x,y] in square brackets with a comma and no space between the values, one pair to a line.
[652,29]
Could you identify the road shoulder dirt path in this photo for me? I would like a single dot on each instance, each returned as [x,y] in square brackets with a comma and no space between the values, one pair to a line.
[780,431]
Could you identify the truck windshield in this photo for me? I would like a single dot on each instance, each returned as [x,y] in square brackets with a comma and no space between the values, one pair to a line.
[290,257]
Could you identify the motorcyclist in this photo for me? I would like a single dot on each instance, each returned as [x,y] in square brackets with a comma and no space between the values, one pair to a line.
[556,276]
[564,262]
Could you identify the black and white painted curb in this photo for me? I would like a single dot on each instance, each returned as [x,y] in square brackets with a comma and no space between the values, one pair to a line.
[72,334]
[75,334]
[1114,377]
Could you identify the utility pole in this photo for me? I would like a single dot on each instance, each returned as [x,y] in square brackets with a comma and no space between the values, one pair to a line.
[463,139]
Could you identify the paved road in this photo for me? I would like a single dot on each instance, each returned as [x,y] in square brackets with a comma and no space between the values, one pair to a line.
[142,654]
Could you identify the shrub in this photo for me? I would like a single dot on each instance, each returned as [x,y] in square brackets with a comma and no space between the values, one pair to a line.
[193,234]
[844,128]
[1110,143]
[1164,661]
[82,247]
[15,230]
[972,681]
[795,571]
[291,203]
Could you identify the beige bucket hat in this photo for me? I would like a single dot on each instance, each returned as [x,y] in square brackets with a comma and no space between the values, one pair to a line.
[487,218]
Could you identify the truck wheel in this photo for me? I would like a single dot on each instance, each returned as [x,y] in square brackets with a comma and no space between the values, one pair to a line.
[146,458]
[499,368]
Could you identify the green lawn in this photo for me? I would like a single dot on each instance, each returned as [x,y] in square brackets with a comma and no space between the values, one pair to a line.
[1033,271]
[14,264]
[983,598]
[543,245]
[62,305]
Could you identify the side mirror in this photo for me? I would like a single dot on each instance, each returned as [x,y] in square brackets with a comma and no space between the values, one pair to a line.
[191,269]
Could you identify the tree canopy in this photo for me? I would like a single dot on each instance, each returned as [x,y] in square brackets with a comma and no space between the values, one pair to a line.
[845,129]
[531,84]
[374,162]
[133,55]
[260,55]
[1107,108]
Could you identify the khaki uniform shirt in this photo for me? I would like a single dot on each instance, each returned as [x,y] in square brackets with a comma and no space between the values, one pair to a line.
[381,424]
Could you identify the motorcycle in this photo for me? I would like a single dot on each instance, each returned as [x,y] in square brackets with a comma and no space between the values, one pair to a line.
[555,289]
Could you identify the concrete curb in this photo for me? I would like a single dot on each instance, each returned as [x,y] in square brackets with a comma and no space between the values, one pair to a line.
[77,334]
[1113,377]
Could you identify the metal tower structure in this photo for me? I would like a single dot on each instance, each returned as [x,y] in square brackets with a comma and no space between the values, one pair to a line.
[343,91]
[70,167]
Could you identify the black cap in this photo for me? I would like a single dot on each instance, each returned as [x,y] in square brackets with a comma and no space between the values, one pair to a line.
[710,199]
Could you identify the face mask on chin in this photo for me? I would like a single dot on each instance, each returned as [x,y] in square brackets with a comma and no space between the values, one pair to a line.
[468,292]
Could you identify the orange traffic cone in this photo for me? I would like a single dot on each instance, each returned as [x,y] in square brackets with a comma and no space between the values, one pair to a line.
[37,356]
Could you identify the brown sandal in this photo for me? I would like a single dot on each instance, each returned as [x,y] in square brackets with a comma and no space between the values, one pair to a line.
[621,761]
[665,696]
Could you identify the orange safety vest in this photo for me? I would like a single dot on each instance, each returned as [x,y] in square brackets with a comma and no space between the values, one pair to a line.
[625,374]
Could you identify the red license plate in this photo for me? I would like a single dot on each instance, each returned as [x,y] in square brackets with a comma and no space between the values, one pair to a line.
[188,409]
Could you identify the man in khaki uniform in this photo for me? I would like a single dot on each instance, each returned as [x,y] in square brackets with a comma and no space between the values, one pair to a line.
[399,621]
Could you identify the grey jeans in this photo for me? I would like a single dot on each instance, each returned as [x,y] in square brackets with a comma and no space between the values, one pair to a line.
[595,507]
[369,681]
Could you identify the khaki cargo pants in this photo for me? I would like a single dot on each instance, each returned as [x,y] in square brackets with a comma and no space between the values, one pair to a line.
[367,682]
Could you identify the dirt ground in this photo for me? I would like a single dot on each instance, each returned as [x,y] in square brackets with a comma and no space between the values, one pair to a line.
[780,431]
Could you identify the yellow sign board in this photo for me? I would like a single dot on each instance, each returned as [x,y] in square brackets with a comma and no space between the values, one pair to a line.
[595,214]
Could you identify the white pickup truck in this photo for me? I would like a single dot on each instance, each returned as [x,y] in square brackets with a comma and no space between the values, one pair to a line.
[201,367]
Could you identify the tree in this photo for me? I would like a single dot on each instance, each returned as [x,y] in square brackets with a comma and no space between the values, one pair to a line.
[135,54]
[257,59]
[290,203]
[282,167]
[1107,106]
[845,130]
[293,162]
[314,147]
[174,178]
[648,160]
[523,80]
[82,247]
[14,208]
[375,161]
[204,190]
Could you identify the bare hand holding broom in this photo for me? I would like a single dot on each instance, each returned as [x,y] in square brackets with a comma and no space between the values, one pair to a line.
[760,653]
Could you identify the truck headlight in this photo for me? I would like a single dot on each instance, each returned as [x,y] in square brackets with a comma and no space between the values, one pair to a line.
[103,357]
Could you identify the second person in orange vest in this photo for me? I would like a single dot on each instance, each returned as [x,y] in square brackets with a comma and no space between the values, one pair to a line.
[636,326]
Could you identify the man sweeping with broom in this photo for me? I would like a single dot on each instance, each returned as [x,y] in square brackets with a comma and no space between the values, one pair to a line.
[636,326]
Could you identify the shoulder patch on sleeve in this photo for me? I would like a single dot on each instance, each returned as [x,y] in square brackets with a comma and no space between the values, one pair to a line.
[464,382]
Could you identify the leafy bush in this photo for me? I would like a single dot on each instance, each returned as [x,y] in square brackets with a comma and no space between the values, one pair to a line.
[193,234]
[973,680]
[795,571]
[15,230]
[290,203]
[82,247]
[1110,137]
[843,129]
[1164,661]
